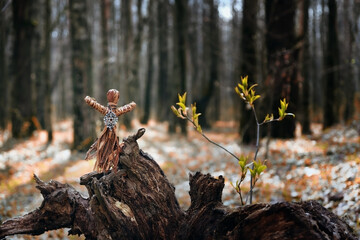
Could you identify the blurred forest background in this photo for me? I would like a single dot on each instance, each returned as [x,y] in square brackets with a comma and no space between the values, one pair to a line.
[54,53]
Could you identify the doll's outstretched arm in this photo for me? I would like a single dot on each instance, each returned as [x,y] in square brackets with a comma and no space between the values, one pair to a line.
[94,104]
[124,109]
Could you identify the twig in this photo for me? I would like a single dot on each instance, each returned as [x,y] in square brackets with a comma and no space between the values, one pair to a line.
[209,140]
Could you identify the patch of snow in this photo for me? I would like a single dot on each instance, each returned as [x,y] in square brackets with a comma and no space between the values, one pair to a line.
[311,171]
[62,157]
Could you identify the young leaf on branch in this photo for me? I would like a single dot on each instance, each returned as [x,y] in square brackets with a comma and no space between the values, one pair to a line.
[282,110]
[181,112]
[247,94]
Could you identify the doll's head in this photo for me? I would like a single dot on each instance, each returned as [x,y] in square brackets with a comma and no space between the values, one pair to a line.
[113,96]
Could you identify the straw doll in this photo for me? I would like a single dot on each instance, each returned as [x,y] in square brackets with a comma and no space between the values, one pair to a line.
[107,148]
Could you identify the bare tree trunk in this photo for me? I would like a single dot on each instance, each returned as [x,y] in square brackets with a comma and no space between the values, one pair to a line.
[210,58]
[331,75]
[304,66]
[138,202]
[316,82]
[62,105]
[3,66]
[150,61]
[138,41]
[37,52]
[282,57]
[22,108]
[105,75]
[180,63]
[194,38]
[163,48]
[348,56]
[127,58]
[84,133]
[235,57]
[47,66]
[248,66]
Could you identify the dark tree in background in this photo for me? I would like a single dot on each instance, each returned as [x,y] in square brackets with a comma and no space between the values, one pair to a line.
[105,74]
[61,73]
[22,110]
[127,83]
[46,70]
[84,132]
[194,46]
[282,57]
[3,68]
[304,65]
[37,52]
[248,66]
[150,61]
[210,59]
[138,41]
[153,50]
[163,48]
[180,63]
[347,75]
[332,85]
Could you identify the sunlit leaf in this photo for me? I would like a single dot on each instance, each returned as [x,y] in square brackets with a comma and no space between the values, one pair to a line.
[238,91]
[196,121]
[256,97]
[281,114]
[253,172]
[182,99]
[198,128]
[290,114]
[244,81]
[182,105]
[193,108]
[175,111]
[269,118]
[261,168]
[251,88]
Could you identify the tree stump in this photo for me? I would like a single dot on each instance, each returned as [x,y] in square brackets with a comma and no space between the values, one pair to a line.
[138,202]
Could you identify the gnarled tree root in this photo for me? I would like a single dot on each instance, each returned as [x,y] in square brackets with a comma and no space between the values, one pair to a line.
[138,202]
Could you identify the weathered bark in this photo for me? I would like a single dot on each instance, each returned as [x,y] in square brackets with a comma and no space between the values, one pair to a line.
[208,218]
[138,202]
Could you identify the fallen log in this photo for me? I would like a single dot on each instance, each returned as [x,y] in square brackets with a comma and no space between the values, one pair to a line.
[138,202]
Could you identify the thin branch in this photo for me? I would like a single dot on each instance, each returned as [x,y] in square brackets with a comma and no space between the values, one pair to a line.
[209,140]
[256,152]
[270,121]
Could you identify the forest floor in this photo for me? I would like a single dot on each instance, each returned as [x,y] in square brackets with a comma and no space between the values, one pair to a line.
[324,166]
